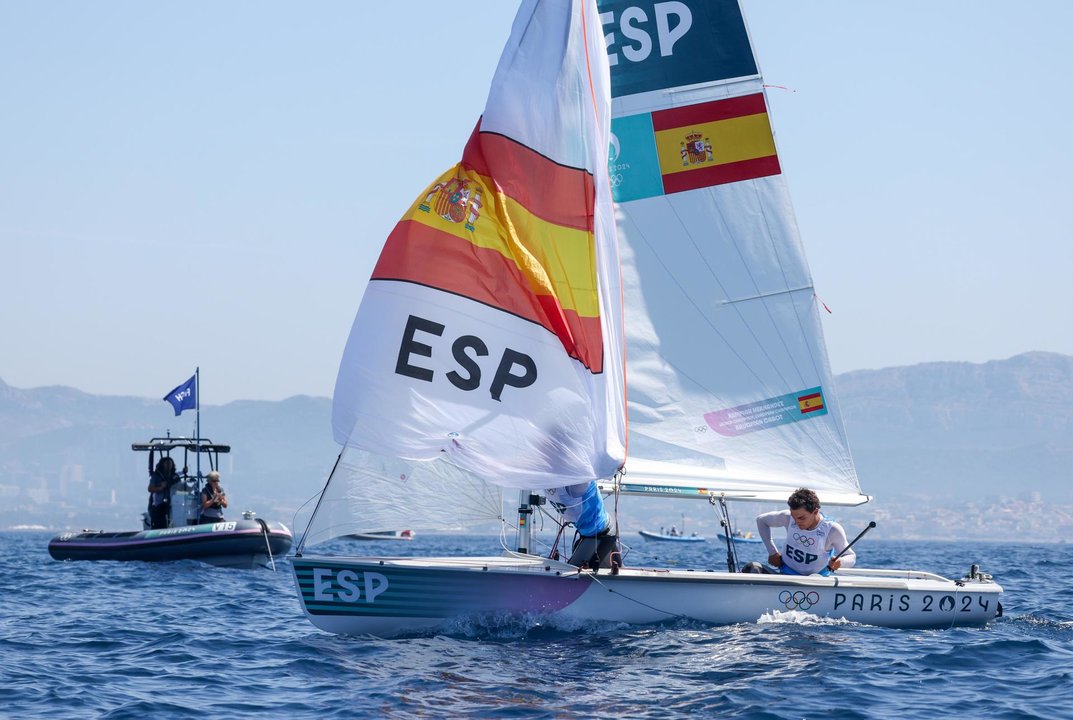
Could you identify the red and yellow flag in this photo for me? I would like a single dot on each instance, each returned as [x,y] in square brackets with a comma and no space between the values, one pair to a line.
[509,228]
[713,143]
[810,403]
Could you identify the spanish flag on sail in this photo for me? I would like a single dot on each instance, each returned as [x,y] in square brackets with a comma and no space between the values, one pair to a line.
[713,143]
[512,229]
[811,402]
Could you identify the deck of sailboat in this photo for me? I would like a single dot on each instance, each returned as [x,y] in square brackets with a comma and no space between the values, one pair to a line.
[513,562]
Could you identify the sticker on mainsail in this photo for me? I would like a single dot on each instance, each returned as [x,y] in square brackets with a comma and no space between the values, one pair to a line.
[765,414]
[693,146]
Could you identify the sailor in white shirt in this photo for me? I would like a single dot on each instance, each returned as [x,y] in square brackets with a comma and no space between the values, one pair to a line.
[812,541]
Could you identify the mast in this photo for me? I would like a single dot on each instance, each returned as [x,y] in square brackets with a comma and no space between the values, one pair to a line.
[525,511]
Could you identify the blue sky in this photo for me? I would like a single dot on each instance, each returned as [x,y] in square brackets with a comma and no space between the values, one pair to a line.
[208,184]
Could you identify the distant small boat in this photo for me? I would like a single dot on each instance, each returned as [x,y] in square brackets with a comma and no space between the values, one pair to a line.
[232,543]
[383,535]
[648,535]
[746,538]
[245,543]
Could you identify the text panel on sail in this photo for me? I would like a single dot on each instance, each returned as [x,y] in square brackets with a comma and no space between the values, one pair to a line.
[649,41]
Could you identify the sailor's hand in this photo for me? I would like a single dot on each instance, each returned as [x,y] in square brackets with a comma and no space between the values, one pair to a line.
[774,559]
[834,564]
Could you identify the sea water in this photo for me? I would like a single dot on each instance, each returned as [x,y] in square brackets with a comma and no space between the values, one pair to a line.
[183,639]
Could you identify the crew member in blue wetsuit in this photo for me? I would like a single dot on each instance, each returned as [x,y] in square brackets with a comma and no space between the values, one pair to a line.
[583,506]
[812,541]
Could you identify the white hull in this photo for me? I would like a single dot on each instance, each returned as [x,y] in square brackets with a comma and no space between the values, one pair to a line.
[383,535]
[396,596]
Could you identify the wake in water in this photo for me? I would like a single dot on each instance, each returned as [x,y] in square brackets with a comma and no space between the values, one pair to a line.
[800,617]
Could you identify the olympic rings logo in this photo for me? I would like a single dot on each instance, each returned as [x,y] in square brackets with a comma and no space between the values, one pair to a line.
[616,180]
[798,599]
[804,540]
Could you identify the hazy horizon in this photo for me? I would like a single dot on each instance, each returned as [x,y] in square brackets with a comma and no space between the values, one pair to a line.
[4,381]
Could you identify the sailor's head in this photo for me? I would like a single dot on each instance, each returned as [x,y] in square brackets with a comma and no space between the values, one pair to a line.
[166,464]
[214,477]
[805,508]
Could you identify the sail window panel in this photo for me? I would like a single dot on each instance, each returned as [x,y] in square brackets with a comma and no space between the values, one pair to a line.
[364,497]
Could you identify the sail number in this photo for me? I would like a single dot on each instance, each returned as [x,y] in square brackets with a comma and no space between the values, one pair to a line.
[672,20]
[515,369]
[347,585]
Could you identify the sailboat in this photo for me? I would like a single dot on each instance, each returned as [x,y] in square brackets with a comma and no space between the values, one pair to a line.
[176,525]
[672,534]
[745,538]
[621,199]
[671,537]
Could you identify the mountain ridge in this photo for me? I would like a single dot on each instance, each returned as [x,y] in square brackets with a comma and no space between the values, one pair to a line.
[948,432]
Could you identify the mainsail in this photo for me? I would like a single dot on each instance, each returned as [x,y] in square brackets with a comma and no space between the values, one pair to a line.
[488,343]
[730,386]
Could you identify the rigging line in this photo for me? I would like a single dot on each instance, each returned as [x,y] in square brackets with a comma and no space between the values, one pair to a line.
[678,616]
[953,610]
[312,517]
[268,544]
[294,517]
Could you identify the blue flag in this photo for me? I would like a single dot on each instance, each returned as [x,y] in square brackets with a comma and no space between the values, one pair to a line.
[184,397]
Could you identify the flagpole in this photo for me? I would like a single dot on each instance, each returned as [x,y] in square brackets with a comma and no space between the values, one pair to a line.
[197,420]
